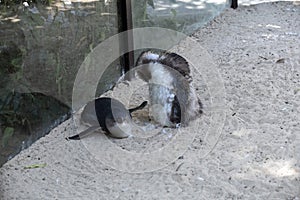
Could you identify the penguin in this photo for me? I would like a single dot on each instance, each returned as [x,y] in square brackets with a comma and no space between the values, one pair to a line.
[172,98]
[108,114]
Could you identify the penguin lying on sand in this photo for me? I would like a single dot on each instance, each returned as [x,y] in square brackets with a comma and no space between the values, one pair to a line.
[110,115]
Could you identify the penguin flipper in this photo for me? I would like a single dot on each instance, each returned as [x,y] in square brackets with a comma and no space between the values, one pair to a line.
[83,133]
[138,107]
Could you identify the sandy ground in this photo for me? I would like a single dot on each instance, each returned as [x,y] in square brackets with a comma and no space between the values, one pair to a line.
[256,51]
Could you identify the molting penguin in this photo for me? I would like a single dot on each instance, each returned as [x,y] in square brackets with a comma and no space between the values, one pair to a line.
[110,115]
[173,100]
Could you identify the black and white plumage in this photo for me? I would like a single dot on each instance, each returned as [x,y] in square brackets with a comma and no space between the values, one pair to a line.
[108,114]
[173,100]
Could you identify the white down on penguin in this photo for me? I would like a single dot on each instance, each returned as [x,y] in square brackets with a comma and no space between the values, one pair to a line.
[172,98]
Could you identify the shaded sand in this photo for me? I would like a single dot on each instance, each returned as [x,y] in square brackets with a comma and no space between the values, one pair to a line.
[256,50]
